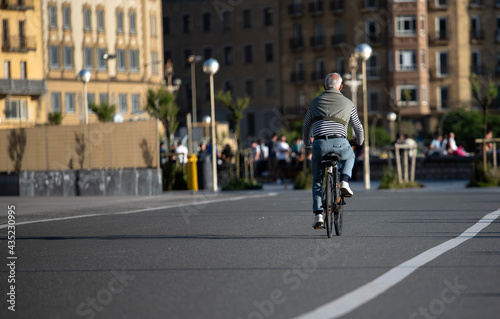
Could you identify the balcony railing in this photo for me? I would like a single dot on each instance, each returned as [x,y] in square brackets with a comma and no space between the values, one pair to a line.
[296,43]
[374,39]
[337,39]
[433,5]
[478,69]
[297,77]
[317,76]
[21,5]
[439,72]
[476,3]
[337,6]
[295,10]
[439,36]
[22,87]
[17,43]
[317,42]
[373,72]
[316,7]
[477,35]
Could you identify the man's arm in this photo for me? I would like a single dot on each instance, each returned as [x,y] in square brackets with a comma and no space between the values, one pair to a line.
[306,129]
[358,128]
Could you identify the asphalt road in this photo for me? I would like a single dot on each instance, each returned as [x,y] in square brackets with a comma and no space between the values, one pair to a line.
[254,255]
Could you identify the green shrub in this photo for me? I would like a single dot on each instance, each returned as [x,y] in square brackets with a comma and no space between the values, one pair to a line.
[304,180]
[242,184]
[481,179]
[174,177]
[389,178]
[55,118]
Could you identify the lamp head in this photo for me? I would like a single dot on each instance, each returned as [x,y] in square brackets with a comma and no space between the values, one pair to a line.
[363,51]
[84,76]
[391,116]
[211,66]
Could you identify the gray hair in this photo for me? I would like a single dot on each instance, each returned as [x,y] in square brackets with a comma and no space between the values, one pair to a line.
[333,80]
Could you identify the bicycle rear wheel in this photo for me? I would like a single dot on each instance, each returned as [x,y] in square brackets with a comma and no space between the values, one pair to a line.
[338,207]
[329,207]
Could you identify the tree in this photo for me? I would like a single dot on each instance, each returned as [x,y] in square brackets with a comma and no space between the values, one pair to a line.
[104,111]
[161,105]
[484,99]
[236,109]
[55,118]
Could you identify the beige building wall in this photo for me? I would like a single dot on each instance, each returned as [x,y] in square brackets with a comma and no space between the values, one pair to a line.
[22,84]
[82,36]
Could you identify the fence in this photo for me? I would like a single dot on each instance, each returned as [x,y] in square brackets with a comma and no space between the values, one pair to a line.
[83,147]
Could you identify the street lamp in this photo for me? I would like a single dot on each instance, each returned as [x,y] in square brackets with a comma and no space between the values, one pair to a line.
[84,77]
[364,52]
[210,67]
[391,117]
[106,57]
[192,59]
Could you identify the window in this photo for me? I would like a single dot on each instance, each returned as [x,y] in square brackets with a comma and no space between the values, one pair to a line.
[441,3]
[15,109]
[52,17]
[122,103]
[269,52]
[444,97]
[373,67]
[121,60]
[6,69]
[407,94]
[226,20]
[371,4]
[373,100]
[248,53]
[135,103]
[407,60]
[372,31]
[228,55]
[132,23]
[119,22]
[247,18]
[102,64]
[186,54]
[299,70]
[100,20]
[390,61]
[134,60]
[167,25]
[206,22]
[405,25]
[301,100]
[268,17]
[88,58]
[475,25]
[206,91]
[86,20]
[320,70]
[24,70]
[54,57]
[207,53]
[476,62]
[103,98]
[270,87]
[55,101]
[68,60]
[90,99]
[154,63]
[187,23]
[442,63]
[249,88]
[341,66]
[5,35]
[66,18]
[228,87]
[69,102]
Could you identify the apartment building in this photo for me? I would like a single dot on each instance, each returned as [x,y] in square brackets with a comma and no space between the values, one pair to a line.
[119,42]
[22,84]
[244,37]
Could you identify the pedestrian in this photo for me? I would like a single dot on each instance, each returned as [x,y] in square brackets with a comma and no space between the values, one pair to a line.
[182,152]
[329,114]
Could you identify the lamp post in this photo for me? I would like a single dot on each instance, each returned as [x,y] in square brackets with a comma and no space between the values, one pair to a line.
[84,77]
[210,67]
[351,81]
[192,59]
[364,51]
[391,117]
[106,56]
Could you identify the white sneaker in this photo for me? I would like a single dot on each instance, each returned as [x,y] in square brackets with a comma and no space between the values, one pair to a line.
[318,221]
[345,189]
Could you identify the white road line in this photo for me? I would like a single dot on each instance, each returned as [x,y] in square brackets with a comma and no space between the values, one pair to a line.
[194,203]
[356,298]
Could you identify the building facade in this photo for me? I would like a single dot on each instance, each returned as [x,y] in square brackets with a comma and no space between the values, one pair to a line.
[243,36]
[120,44]
[22,83]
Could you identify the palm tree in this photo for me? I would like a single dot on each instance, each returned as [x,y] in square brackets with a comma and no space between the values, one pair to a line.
[237,108]
[161,105]
[104,111]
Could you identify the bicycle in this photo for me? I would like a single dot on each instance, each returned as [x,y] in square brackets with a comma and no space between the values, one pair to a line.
[333,199]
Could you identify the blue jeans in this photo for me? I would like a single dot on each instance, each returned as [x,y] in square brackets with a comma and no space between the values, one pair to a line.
[320,148]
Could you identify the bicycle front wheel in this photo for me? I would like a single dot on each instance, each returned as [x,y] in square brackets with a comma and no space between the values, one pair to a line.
[329,207]
[338,208]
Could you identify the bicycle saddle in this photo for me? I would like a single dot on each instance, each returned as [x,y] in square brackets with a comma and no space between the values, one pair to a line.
[331,157]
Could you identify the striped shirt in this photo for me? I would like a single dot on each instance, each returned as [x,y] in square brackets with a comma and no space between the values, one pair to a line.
[328,128]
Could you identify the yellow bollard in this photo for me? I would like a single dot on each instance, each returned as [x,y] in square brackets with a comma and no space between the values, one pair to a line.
[192,173]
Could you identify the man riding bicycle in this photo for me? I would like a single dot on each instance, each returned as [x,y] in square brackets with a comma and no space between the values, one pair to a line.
[330,113]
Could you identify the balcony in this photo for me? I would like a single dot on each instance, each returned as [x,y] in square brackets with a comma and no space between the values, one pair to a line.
[434,6]
[440,37]
[478,69]
[316,7]
[476,36]
[373,72]
[19,5]
[317,42]
[338,39]
[23,87]
[17,43]
[297,77]
[296,44]
[337,6]
[317,76]
[296,10]
[476,4]
[374,39]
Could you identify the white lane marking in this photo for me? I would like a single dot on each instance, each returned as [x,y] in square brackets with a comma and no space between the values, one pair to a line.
[358,297]
[142,210]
